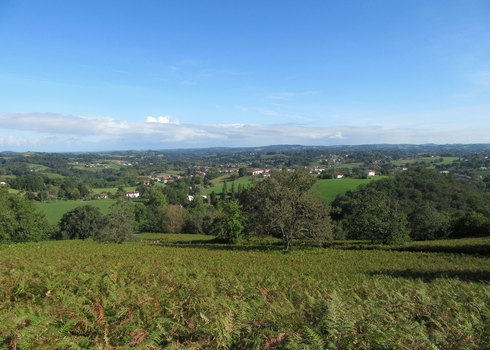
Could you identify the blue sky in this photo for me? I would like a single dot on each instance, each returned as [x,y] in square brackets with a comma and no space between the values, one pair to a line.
[116,75]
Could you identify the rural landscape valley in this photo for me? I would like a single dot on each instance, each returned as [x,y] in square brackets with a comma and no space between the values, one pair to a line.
[279,247]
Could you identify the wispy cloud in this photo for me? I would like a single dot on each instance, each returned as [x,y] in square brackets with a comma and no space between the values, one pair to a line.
[481,78]
[11,141]
[49,131]
[243,108]
[287,95]
[269,112]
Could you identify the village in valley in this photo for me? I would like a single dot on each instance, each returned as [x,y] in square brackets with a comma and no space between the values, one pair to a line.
[205,170]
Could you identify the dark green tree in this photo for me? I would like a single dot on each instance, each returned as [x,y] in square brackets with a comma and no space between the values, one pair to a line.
[376,217]
[156,211]
[232,191]
[142,223]
[80,223]
[471,224]
[75,194]
[242,172]
[120,193]
[224,193]
[282,206]
[20,221]
[118,223]
[426,222]
[213,199]
[228,224]
[84,190]
[43,195]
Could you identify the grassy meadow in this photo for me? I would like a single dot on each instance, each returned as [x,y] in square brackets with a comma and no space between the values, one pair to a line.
[112,189]
[218,184]
[54,210]
[446,160]
[84,295]
[328,189]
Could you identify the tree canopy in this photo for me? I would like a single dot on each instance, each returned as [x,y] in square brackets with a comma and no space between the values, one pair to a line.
[228,224]
[20,221]
[436,205]
[281,206]
[377,218]
[118,224]
[80,223]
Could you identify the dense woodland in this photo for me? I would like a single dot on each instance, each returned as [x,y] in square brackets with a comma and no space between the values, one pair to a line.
[420,197]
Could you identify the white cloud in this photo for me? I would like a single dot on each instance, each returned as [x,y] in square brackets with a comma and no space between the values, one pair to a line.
[161,120]
[337,135]
[11,141]
[55,132]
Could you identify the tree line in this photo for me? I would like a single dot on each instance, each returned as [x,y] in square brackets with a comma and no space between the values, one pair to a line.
[417,204]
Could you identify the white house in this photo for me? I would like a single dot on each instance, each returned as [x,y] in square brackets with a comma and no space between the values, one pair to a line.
[132,194]
[255,171]
[338,175]
[370,172]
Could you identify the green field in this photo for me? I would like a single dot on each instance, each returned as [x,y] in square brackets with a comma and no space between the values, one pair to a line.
[327,190]
[349,165]
[447,160]
[84,295]
[55,210]
[112,189]
[218,184]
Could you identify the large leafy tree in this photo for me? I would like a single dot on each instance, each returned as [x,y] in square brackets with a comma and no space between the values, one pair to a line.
[80,223]
[156,211]
[377,217]
[228,224]
[426,222]
[119,223]
[175,216]
[20,221]
[282,206]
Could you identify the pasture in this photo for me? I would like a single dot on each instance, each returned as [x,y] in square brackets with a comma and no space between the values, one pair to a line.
[446,160]
[112,189]
[328,189]
[218,184]
[80,294]
[54,210]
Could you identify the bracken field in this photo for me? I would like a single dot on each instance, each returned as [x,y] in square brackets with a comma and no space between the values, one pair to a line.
[81,294]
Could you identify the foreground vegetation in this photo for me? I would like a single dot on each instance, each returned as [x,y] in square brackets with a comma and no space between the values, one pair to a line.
[79,294]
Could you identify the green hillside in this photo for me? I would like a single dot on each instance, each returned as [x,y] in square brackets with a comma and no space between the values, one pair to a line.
[327,190]
[55,210]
